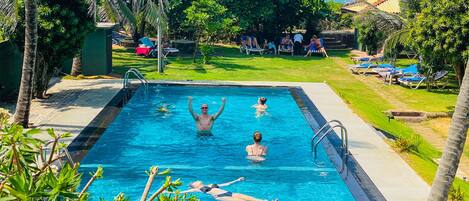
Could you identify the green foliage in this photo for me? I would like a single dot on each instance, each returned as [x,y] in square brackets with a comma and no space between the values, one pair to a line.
[62,28]
[369,33]
[208,19]
[26,176]
[408,144]
[440,32]
[455,194]
[410,8]
[335,19]
[206,51]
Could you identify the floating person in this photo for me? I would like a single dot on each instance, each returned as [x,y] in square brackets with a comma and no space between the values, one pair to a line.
[261,107]
[218,193]
[204,121]
[164,107]
[256,152]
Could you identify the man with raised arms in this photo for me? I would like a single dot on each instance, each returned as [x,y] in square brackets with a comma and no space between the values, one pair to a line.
[204,121]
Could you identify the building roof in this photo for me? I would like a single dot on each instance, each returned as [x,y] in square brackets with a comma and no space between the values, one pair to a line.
[390,6]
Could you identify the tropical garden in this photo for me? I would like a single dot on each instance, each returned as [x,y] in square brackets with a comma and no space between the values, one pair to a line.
[50,31]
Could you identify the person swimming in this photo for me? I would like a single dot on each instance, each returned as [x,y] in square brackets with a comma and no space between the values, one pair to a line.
[256,152]
[164,107]
[261,106]
[204,122]
[218,193]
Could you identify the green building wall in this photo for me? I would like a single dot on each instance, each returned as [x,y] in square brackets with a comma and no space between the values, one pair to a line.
[10,70]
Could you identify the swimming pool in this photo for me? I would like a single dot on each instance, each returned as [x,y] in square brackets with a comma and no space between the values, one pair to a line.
[140,137]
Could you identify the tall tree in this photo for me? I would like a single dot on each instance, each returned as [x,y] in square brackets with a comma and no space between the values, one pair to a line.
[23,104]
[454,144]
[440,33]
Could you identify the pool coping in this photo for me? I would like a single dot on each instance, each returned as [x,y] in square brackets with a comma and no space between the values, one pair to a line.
[376,186]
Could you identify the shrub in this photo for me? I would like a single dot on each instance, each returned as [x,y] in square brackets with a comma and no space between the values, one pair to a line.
[407,144]
[455,194]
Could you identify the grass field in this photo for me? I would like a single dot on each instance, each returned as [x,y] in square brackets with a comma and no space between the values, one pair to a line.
[229,64]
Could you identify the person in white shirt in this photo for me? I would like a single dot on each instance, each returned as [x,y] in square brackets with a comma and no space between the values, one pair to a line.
[298,40]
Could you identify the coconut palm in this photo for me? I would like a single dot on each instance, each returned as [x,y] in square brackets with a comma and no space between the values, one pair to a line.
[9,10]
[457,134]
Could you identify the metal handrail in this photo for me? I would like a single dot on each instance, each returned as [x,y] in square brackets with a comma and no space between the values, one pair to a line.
[343,132]
[65,150]
[137,74]
[343,137]
[324,126]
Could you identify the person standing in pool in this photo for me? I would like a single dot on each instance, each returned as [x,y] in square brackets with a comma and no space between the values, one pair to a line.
[204,121]
[256,151]
[217,193]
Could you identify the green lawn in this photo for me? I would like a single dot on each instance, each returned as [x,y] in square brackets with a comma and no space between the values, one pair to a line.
[231,65]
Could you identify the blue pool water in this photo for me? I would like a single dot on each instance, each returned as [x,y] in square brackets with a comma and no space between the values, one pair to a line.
[141,137]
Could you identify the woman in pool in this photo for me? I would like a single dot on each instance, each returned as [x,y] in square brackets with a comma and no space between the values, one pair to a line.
[217,193]
[261,107]
[256,151]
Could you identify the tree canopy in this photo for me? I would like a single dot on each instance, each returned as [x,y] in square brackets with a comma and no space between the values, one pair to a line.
[62,28]
[440,33]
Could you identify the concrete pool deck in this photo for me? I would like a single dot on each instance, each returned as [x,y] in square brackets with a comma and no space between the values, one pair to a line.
[75,103]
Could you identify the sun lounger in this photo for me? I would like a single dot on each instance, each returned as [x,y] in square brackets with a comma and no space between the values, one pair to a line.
[258,50]
[321,49]
[399,72]
[375,58]
[415,81]
[362,68]
[382,68]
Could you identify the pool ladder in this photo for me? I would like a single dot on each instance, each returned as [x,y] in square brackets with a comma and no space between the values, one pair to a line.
[126,83]
[136,73]
[343,137]
[63,152]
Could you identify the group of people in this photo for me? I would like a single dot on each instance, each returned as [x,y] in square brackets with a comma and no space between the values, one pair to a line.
[315,44]
[255,152]
[286,44]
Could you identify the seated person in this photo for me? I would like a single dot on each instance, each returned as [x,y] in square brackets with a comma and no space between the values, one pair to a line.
[313,46]
[218,193]
[270,46]
[256,151]
[253,43]
[286,43]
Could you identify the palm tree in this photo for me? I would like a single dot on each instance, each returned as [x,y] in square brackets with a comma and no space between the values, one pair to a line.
[454,144]
[152,12]
[76,64]
[23,104]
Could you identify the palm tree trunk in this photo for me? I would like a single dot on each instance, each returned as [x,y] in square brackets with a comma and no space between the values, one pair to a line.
[76,65]
[29,58]
[454,144]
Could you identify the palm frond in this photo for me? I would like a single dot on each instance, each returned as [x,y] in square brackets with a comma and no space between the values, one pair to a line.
[9,13]
[107,12]
[126,13]
[396,42]
[92,7]
[154,13]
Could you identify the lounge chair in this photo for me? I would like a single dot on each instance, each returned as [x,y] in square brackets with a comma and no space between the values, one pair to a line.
[287,50]
[250,45]
[321,49]
[382,68]
[399,72]
[415,81]
[369,67]
[148,48]
[374,58]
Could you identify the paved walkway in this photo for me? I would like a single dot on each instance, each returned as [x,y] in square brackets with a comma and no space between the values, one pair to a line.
[75,103]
